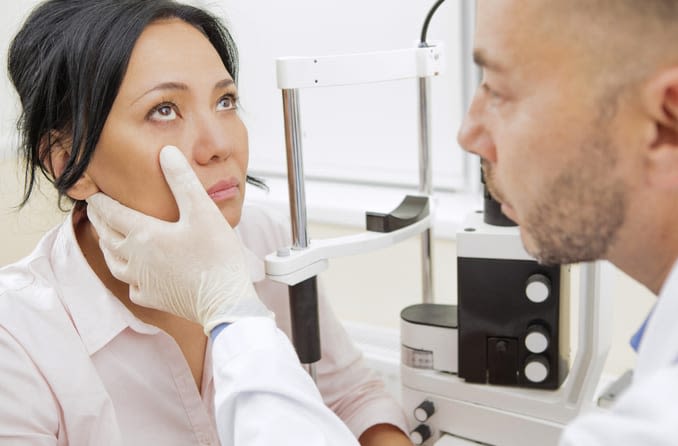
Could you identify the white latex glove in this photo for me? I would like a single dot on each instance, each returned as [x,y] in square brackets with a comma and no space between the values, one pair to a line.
[193,268]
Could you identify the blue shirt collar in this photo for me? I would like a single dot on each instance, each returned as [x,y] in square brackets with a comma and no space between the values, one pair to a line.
[638,337]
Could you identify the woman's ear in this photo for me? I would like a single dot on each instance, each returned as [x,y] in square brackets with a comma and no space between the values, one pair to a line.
[59,153]
[661,99]
[84,188]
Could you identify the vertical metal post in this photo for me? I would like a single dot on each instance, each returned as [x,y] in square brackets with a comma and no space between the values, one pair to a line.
[295,168]
[425,186]
[304,295]
[594,332]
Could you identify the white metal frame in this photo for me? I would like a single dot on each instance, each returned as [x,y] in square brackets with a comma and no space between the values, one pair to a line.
[307,258]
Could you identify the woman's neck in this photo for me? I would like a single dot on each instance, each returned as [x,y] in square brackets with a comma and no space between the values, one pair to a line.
[188,335]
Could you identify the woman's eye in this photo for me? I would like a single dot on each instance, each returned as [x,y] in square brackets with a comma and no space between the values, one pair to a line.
[163,112]
[226,103]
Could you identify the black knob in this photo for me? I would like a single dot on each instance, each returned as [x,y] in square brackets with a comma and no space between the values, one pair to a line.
[420,434]
[424,411]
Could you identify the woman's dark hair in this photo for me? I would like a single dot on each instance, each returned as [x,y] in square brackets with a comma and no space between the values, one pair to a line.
[67,63]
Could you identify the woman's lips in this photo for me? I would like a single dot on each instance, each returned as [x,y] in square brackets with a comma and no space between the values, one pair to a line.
[224,190]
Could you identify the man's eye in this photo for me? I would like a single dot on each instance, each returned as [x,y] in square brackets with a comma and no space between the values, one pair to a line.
[163,112]
[490,92]
[228,102]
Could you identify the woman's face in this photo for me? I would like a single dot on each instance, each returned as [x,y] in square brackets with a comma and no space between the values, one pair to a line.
[176,91]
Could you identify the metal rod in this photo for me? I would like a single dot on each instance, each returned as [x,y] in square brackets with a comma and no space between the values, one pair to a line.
[295,168]
[311,369]
[305,302]
[425,164]
[425,186]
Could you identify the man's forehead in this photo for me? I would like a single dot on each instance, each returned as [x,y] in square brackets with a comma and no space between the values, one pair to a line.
[512,33]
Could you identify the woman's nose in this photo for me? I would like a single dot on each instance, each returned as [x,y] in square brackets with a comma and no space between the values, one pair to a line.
[212,140]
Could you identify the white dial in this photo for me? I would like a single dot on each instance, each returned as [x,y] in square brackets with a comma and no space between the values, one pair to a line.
[537,370]
[537,340]
[538,288]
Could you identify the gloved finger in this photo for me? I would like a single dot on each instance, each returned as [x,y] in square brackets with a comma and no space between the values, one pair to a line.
[136,296]
[113,249]
[188,192]
[113,241]
[134,293]
[104,231]
[119,217]
[118,266]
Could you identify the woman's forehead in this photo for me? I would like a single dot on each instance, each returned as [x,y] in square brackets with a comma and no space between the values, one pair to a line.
[171,50]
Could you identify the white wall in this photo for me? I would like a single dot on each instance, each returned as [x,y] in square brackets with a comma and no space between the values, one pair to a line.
[10,20]
[365,133]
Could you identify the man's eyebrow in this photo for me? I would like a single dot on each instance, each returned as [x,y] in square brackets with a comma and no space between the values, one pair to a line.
[224,83]
[481,59]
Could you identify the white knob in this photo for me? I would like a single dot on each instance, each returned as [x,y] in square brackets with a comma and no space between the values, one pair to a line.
[538,288]
[537,340]
[537,369]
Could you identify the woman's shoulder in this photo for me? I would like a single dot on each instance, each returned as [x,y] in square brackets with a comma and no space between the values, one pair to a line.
[29,298]
[26,293]
[263,229]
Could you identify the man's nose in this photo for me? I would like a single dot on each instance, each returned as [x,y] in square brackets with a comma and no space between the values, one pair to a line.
[473,134]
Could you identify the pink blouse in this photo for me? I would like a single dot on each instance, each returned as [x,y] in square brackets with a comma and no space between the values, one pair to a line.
[77,367]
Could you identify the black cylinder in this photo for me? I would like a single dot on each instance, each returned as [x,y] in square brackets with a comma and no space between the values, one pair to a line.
[492,214]
[304,318]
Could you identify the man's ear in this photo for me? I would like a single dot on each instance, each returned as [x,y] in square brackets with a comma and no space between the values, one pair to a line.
[661,99]
[59,153]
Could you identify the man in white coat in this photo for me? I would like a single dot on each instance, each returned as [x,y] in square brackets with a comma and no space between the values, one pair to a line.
[576,122]
[577,125]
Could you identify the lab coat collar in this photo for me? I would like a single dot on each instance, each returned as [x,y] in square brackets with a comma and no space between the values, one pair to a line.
[98,316]
[659,345]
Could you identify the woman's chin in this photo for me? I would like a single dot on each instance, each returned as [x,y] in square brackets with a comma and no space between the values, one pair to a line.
[232,215]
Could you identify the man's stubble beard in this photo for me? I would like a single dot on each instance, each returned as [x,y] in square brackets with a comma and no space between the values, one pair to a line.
[580,213]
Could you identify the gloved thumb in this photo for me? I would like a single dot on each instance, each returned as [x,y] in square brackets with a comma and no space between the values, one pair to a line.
[184,184]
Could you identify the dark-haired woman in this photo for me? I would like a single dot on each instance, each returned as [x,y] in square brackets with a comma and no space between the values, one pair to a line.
[104,85]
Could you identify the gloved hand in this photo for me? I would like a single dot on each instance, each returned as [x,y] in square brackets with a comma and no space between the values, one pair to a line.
[193,268]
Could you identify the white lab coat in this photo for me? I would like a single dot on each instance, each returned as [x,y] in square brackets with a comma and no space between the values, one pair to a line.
[647,413]
[264,396]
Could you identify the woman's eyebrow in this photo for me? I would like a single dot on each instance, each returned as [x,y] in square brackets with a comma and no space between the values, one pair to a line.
[164,86]
[224,83]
